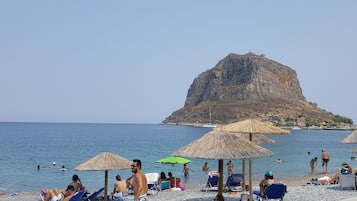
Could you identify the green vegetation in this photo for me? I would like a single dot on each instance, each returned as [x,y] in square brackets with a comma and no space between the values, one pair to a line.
[339,119]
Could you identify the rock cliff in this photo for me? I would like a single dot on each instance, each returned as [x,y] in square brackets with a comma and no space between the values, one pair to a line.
[249,85]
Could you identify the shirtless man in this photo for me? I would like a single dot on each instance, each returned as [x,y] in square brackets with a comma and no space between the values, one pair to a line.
[325,159]
[313,163]
[119,186]
[139,182]
[185,170]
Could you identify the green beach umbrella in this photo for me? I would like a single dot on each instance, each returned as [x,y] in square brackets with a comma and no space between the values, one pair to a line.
[173,160]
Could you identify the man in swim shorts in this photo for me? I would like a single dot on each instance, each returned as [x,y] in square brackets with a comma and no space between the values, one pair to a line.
[139,181]
[325,159]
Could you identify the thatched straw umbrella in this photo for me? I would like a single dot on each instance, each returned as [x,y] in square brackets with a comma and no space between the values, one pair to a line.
[105,161]
[219,145]
[350,139]
[252,126]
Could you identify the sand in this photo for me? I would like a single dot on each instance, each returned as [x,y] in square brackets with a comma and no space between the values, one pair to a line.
[297,190]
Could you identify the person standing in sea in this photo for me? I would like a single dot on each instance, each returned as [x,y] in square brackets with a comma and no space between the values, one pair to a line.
[313,163]
[139,181]
[325,156]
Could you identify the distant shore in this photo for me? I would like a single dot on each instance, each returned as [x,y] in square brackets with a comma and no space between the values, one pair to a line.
[351,128]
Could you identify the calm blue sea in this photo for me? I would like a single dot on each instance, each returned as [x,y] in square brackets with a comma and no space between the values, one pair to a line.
[26,145]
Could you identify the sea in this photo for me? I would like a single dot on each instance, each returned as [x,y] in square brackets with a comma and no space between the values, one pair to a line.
[24,146]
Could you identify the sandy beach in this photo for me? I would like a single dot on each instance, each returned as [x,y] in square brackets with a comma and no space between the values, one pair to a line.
[297,190]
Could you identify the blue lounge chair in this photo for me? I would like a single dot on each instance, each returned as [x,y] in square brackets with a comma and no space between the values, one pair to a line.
[212,183]
[94,195]
[77,196]
[273,192]
[234,182]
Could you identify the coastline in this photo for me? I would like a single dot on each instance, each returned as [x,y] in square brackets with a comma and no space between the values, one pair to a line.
[297,188]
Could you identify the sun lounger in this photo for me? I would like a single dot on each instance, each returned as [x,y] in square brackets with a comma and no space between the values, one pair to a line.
[234,182]
[273,192]
[94,195]
[212,183]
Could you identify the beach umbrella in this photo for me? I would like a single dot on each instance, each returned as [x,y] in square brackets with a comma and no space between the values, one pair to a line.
[350,138]
[354,150]
[252,126]
[220,145]
[173,160]
[104,162]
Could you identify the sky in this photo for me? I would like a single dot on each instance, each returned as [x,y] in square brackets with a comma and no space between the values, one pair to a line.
[134,61]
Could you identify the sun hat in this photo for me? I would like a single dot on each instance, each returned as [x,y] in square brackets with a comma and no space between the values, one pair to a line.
[344,164]
[269,173]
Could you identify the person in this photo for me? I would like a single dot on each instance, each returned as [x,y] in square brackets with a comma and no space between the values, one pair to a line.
[163,183]
[63,168]
[279,160]
[120,186]
[56,194]
[54,164]
[76,182]
[186,170]
[175,181]
[39,167]
[346,169]
[268,180]
[138,181]
[205,167]
[313,163]
[325,156]
[326,179]
[230,167]
[162,177]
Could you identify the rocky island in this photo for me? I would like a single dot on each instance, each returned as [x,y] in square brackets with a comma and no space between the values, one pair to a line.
[250,85]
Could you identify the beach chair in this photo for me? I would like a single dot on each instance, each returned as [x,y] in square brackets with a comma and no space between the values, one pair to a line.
[234,182]
[152,181]
[273,192]
[78,195]
[94,195]
[347,181]
[212,183]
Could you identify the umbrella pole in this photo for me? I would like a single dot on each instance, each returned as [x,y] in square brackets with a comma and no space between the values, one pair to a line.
[243,172]
[220,181]
[250,180]
[106,185]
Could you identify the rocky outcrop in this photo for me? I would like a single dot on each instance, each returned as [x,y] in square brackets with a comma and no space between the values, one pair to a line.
[249,85]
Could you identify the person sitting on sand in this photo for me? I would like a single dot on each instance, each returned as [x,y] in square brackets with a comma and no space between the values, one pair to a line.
[56,194]
[175,181]
[162,177]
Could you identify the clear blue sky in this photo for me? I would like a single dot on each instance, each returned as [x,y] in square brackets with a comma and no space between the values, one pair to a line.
[133,61]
